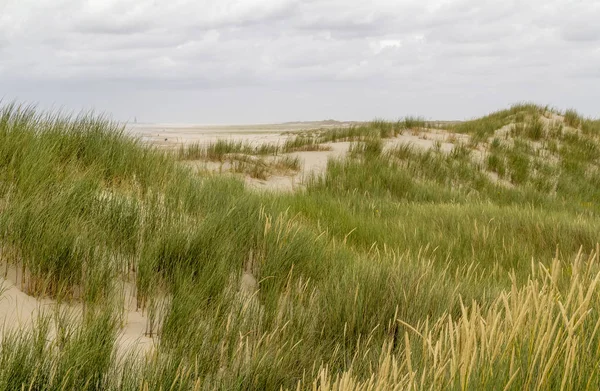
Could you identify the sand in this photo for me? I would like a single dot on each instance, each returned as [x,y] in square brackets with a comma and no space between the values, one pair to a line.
[19,311]
[169,136]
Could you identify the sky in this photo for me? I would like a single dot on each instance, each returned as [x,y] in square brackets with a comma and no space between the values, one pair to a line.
[261,61]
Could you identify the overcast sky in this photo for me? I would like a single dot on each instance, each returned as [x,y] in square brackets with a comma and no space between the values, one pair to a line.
[251,61]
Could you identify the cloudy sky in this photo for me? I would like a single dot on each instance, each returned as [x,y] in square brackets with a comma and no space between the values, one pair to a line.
[249,61]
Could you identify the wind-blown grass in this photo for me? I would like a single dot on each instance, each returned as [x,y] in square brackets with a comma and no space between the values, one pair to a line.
[484,127]
[528,337]
[398,268]
[219,150]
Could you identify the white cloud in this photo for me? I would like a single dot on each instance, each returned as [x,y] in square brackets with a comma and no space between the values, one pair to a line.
[417,52]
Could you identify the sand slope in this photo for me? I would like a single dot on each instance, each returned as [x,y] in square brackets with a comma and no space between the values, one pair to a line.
[19,310]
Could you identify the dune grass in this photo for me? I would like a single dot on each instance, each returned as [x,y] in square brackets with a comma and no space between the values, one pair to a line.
[484,127]
[303,143]
[399,268]
[219,150]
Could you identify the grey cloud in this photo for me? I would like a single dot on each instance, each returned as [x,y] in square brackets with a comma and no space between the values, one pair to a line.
[379,49]
[113,27]
[348,27]
[574,21]
[581,33]
[475,33]
[470,12]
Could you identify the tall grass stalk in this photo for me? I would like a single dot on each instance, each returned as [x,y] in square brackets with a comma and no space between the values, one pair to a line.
[397,268]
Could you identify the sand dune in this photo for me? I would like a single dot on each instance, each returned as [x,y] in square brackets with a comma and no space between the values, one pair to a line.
[312,162]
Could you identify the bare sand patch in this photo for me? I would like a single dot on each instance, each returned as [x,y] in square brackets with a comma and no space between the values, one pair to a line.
[504,131]
[552,116]
[19,311]
[312,163]
[316,161]
[427,139]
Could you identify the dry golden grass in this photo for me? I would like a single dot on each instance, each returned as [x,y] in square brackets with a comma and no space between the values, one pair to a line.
[543,335]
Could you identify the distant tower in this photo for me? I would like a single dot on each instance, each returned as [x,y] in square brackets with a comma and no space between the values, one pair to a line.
[135,120]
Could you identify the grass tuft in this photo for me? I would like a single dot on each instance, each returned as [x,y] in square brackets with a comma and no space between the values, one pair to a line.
[397,268]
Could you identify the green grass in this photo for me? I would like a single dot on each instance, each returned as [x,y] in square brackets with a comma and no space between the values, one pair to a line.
[496,164]
[403,267]
[221,149]
[484,127]
[303,143]
[572,118]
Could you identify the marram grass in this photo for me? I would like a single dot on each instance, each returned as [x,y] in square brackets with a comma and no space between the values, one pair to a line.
[399,268]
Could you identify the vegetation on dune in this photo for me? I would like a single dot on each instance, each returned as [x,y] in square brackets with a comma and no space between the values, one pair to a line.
[304,143]
[315,140]
[221,149]
[398,268]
